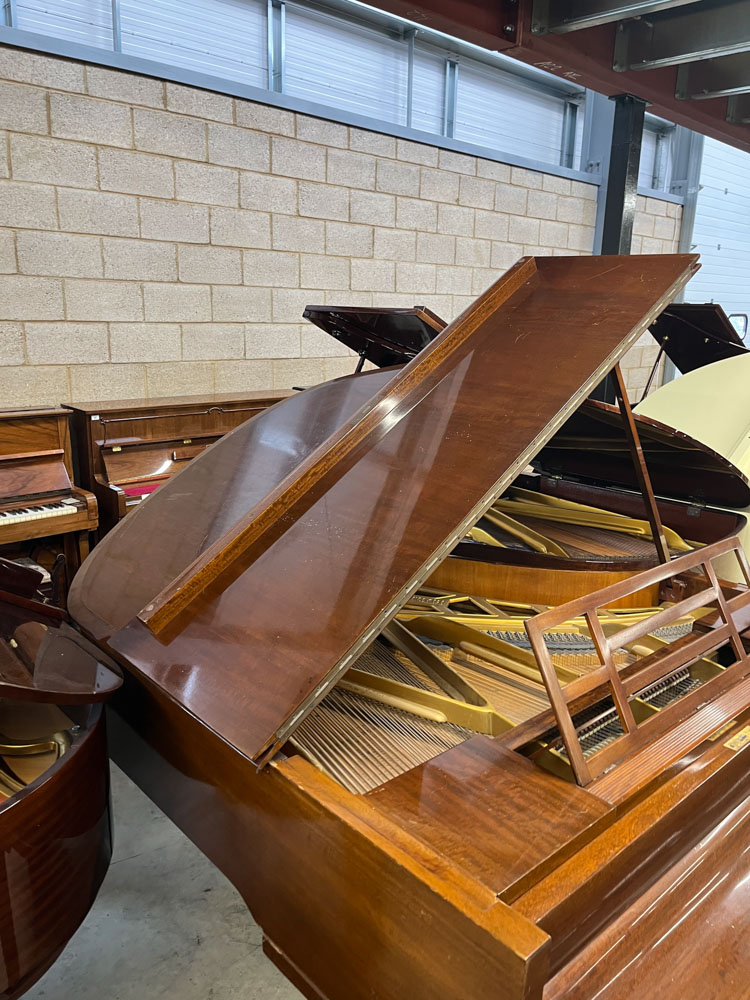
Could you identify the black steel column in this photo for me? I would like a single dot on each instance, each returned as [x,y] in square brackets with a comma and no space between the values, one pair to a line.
[622,190]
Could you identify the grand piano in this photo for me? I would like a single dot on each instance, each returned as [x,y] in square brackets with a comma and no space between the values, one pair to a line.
[127,448]
[402,821]
[55,825]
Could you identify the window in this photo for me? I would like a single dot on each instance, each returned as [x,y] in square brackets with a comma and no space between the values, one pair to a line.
[88,22]
[346,65]
[655,168]
[224,38]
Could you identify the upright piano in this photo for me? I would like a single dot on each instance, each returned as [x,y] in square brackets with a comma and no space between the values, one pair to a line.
[404,816]
[127,448]
[38,498]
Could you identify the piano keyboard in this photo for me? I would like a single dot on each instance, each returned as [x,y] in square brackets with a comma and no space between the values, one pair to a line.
[34,512]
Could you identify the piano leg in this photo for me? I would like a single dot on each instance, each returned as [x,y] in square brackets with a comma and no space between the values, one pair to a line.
[76,548]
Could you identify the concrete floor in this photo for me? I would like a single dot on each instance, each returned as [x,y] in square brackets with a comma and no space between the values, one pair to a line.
[166,923]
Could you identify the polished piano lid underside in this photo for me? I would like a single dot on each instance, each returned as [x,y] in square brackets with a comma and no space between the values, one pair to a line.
[382,336]
[346,530]
[694,335]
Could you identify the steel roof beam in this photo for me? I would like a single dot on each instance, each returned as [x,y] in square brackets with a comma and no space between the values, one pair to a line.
[714,78]
[560,16]
[738,110]
[700,31]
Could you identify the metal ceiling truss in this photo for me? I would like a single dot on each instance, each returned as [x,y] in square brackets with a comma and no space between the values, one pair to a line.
[560,16]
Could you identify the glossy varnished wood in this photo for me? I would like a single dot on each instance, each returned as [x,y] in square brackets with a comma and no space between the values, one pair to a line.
[437,450]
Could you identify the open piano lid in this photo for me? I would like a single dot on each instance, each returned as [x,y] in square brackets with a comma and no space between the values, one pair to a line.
[693,335]
[254,633]
[384,337]
[592,446]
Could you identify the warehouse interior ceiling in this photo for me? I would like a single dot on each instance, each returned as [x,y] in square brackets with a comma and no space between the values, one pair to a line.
[690,59]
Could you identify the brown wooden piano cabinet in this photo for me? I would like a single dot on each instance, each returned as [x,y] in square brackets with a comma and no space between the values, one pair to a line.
[340,752]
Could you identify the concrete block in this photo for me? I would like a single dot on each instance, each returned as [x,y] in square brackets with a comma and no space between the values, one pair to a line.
[580,189]
[11,344]
[128,88]
[53,161]
[553,234]
[372,142]
[392,244]
[269,268]
[413,213]
[505,255]
[108,381]
[664,227]
[372,208]
[213,341]
[526,178]
[350,169]
[374,275]
[394,177]
[238,147]
[643,225]
[473,252]
[279,340]
[492,225]
[66,343]
[570,210]
[457,162]
[145,342]
[297,371]
[292,158]
[59,254]
[268,193]
[317,271]
[180,378]
[170,220]
[23,109]
[454,281]
[102,301]
[264,117]
[170,134]
[8,252]
[305,235]
[290,303]
[139,260]
[326,133]
[46,385]
[481,279]
[522,230]
[40,70]
[493,171]
[25,298]
[416,152]
[347,240]
[455,219]
[242,305]
[173,303]
[90,120]
[541,205]
[136,173]
[235,227]
[200,103]
[27,206]
[436,249]
[323,201]
[582,238]
[557,185]
[477,192]
[97,213]
[419,279]
[213,265]
[206,183]
[4,161]
[439,185]
[240,376]
[314,343]
[511,199]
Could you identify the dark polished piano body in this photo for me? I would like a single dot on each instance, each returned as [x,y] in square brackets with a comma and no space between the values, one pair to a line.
[474,871]
[55,825]
[696,334]
[127,448]
[37,496]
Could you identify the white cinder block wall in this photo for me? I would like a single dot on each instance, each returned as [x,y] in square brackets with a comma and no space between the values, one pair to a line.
[157,239]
